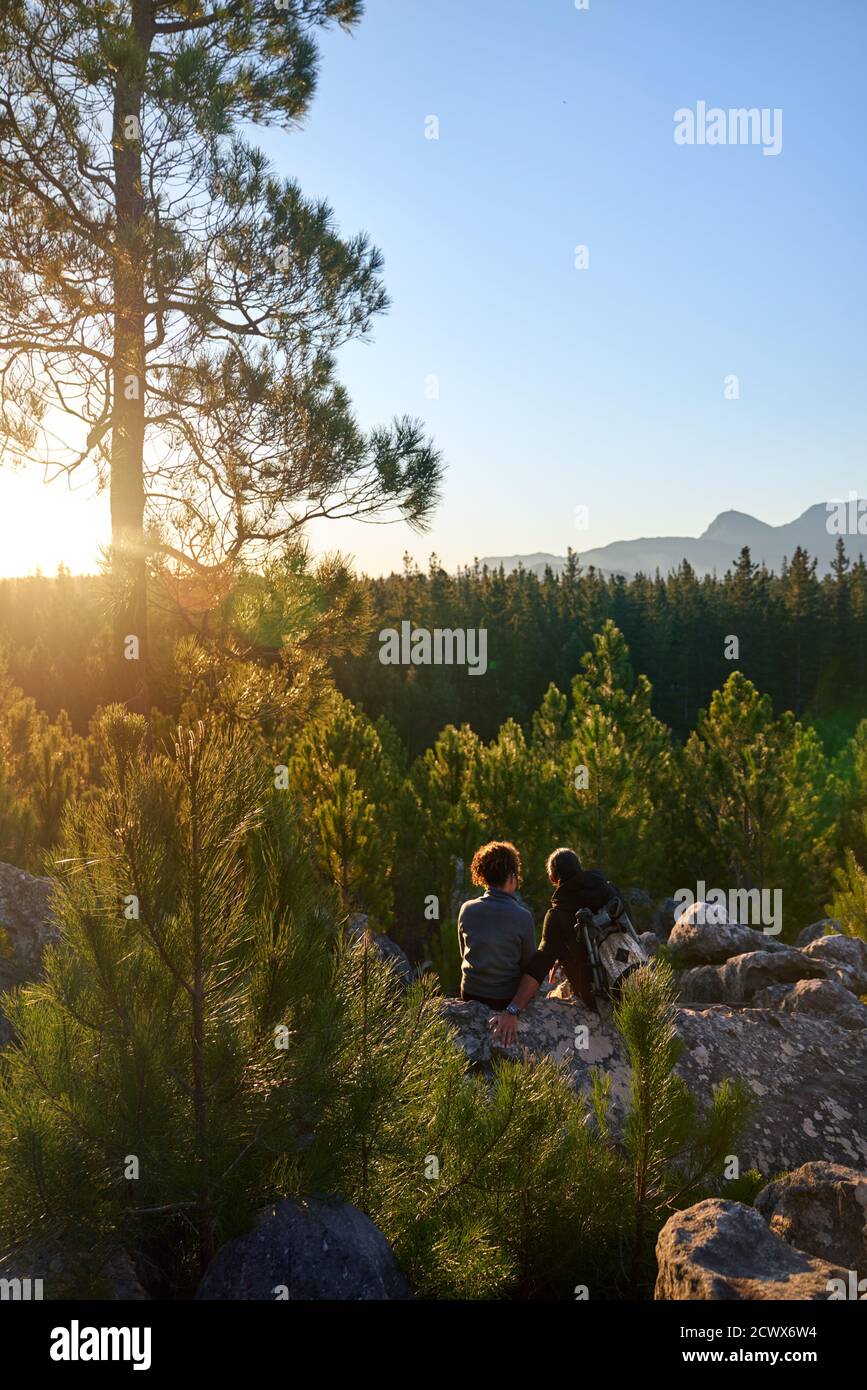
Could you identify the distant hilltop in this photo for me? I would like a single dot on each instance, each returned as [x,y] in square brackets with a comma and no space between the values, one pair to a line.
[716,549]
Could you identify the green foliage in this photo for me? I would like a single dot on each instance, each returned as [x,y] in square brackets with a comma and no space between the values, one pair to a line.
[674,1151]
[849,903]
[760,802]
[153,1033]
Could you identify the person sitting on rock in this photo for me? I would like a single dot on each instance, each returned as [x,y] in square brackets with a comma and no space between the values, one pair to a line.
[574,888]
[496,933]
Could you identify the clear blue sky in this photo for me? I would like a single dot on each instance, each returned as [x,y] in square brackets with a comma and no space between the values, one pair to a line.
[604,387]
[601,388]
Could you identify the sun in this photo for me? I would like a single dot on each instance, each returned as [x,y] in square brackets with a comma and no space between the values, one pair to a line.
[43,525]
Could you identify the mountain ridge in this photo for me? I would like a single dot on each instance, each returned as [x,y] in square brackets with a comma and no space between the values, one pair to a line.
[715,550]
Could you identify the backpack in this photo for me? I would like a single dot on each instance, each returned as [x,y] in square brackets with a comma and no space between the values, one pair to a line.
[613,947]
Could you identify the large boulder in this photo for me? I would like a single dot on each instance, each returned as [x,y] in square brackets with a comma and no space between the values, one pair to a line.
[702,935]
[808,1074]
[844,958]
[307,1250]
[26,927]
[820,1208]
[739,979]
[827,927]
[826,997]
[724,1250]
[563,1029]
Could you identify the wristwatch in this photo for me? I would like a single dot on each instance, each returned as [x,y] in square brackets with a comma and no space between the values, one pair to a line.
[513,1010]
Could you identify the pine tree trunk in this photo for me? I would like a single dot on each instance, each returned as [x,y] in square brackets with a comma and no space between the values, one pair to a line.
[128,386]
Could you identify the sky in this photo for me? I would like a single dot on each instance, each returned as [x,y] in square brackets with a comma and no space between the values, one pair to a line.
[575,406]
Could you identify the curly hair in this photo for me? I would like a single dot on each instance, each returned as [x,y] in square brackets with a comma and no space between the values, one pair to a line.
[494,862]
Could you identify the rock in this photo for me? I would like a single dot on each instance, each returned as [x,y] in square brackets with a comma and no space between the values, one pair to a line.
[651,942]
[827,997]
[665,917]
[551,1027]
[385,948]
[827,927]
[714,940]
[640,906]
[111,1277]
[820,1208]
[845,958]
[807,1073]
[723,1250]
[307,1250]
[26,927]
[740,978]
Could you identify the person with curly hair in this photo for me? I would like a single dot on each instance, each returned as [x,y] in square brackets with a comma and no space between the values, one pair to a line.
[496,935]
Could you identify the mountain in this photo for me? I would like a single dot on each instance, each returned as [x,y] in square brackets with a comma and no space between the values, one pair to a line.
[714,550]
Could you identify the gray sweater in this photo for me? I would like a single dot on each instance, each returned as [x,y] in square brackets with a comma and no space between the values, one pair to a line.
[496,938]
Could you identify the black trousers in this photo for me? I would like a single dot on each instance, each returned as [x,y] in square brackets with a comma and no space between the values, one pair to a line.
[498,1005]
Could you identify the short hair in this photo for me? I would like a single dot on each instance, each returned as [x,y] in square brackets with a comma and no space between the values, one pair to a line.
[562,863]
[494,862]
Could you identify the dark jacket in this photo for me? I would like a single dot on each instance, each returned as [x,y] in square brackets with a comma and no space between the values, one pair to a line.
[560,941]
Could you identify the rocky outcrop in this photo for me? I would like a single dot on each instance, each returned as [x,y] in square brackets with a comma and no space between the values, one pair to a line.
[307,1250]
[703,936]
[26,927]
[739,979]
[808,1074]
[820,1208]
[844,959]
[724,1250]
[827,998]
[827,927]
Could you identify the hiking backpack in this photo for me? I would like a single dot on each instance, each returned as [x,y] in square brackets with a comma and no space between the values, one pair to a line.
[613,947]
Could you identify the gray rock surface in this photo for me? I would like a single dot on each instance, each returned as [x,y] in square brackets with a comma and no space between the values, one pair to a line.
[718,1250]
[739,979]
[807,1073]
[826,997]
[845,959]
[820,1208]
[307,1250]
[651,942]
[715,940]
[827,927]
[26,926]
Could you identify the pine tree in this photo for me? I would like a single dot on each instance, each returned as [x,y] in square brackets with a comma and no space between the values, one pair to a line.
[674,1150]
[175,299]
[153,1083]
